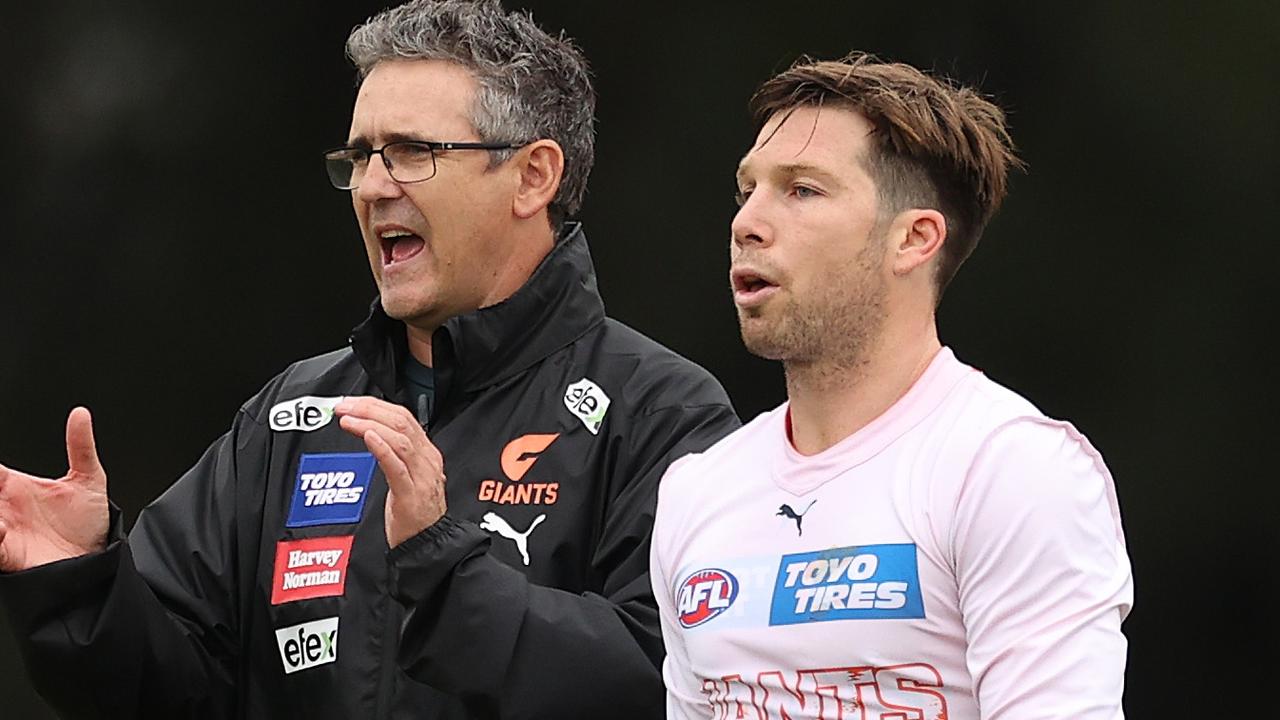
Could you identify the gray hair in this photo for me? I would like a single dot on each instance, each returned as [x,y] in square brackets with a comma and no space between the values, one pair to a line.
[531,85]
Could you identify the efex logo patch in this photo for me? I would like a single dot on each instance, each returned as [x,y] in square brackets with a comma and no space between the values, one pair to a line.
[866,582]
[304,413]
[331,489]
[308,645]
[704,595]
[312,568]
[517,458]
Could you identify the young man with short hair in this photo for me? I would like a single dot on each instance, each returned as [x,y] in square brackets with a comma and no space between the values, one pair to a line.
[903,538]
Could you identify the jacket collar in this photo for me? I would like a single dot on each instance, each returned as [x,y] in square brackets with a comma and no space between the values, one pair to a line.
[556,306]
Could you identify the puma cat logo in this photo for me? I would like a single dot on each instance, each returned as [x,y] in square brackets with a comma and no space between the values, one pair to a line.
[786,511]
[493,522]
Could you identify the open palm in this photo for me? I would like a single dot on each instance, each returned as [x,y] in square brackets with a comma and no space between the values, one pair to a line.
[44,520]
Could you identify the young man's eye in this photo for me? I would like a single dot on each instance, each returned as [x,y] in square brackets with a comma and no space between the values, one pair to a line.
[804,191]
[741,196]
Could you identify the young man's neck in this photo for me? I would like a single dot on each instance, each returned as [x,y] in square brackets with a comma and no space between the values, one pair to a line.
[831,400]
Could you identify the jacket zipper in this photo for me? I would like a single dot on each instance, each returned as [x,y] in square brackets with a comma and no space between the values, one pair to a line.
[391,627]
[390,643]
[383,703]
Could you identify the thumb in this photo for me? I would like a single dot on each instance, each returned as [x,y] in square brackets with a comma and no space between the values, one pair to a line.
[5,564]
[82,452]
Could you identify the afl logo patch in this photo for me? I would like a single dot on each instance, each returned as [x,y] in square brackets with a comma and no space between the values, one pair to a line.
[704,595]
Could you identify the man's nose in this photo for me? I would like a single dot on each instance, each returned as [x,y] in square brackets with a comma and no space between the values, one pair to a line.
[751,225]
[377,183]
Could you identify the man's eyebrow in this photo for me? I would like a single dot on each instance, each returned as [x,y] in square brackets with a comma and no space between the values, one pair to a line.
[790,170]
[391,137]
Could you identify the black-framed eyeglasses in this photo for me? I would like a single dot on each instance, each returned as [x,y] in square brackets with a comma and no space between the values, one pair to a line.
[406,162]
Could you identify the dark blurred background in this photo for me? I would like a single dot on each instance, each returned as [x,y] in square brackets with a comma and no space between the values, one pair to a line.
[168,242]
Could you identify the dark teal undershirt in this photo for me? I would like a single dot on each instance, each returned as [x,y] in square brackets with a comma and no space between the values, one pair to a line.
[420,381]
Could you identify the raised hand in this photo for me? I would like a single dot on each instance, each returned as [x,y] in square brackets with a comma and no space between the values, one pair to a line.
[43,520]
[412,464]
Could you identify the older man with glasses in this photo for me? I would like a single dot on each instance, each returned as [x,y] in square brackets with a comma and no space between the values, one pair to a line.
[518,587]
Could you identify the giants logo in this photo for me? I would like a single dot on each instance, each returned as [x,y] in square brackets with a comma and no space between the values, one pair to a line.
[704,595]
[911,691]
[517,457]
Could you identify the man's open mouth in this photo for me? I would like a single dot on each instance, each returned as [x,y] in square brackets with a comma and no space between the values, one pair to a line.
[399,245]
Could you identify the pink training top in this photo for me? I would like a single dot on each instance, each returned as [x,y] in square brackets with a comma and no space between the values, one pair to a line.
[959,557]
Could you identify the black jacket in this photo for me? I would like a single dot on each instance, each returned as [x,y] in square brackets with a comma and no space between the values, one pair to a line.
[232,591]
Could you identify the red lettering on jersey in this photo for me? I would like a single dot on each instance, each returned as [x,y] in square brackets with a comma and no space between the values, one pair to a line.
[716,699]
[786,704]
[909,691]
[887,689]
[730,681]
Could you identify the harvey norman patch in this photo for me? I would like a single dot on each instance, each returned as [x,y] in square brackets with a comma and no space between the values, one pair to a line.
[331,489]
[311,568]
[864,582]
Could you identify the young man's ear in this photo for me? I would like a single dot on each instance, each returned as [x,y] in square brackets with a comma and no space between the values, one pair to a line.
[541,165]
[918,235]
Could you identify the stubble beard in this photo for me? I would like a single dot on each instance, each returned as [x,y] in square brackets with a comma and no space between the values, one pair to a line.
[826,337]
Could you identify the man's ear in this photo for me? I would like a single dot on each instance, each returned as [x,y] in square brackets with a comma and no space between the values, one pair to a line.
[918,235]
[541,165]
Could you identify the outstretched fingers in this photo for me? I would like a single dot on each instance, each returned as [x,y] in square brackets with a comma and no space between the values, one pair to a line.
[82,451]
[7,489]
[10,556]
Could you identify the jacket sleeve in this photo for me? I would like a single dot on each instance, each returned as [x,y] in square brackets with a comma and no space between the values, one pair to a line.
[1044,579]
[479,630]
[146,628]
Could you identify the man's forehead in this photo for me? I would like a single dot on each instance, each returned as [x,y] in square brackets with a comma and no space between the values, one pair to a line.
[414,99]
[809,138]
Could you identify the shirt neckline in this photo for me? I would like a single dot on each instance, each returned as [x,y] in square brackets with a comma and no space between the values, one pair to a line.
[801,474]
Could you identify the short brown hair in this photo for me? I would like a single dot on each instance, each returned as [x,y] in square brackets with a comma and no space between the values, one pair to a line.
[936,144]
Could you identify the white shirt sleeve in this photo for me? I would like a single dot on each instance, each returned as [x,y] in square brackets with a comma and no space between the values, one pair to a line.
[1043,574]
[677,674]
